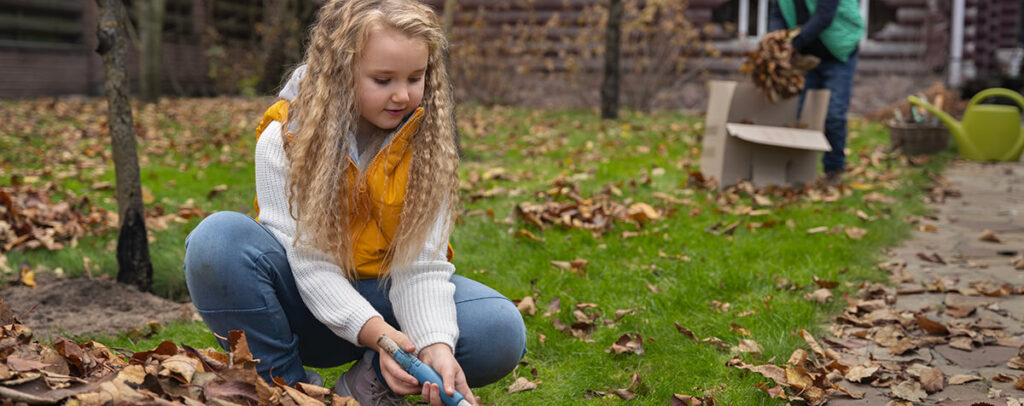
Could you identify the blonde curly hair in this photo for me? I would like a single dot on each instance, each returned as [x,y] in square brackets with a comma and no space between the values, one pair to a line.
[325,112]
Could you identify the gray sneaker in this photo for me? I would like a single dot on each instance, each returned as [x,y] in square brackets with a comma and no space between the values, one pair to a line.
[361,383]
[314,378]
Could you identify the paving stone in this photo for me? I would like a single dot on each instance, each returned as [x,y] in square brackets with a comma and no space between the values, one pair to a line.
[980,357]
[996,226]
[974,402]
[973,391]
[956,299]
[872,395]
[1014,305]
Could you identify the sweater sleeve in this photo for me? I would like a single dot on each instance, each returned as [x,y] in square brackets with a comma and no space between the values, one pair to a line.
[775,20]
[423,296]
[822,18]
[324,289]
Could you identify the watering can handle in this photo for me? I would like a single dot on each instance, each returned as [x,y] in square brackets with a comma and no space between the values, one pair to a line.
[997,91]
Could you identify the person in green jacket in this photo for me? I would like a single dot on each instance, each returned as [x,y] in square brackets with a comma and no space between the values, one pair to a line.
[830,30]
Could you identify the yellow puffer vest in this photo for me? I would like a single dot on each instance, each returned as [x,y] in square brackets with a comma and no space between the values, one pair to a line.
[377,207]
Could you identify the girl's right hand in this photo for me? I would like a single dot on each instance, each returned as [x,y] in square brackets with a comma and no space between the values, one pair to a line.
[395,377]
[398,380]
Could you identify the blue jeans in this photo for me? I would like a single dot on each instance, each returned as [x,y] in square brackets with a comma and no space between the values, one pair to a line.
[837,77]
[239,279]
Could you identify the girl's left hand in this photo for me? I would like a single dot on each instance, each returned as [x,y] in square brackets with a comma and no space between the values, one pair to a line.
[440,357]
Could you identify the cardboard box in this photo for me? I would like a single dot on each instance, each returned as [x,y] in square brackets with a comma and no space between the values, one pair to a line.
[748,138]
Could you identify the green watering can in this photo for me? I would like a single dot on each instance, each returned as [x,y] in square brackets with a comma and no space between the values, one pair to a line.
[989,132]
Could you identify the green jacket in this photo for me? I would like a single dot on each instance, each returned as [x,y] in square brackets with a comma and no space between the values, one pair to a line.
[842,36]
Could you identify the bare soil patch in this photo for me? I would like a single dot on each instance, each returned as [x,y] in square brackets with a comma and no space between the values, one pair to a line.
[86,307]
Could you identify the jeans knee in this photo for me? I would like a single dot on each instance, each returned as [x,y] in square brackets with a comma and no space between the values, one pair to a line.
[216,244]
[506,344]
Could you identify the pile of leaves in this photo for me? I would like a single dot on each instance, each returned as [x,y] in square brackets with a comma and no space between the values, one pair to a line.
[771,66]
[875,344]
[565,207]
[92,374]
[30,219]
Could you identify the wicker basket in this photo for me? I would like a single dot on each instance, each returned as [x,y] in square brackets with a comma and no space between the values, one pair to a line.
[918,138]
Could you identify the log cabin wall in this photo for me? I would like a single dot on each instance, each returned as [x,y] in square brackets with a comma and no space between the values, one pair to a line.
[46,46]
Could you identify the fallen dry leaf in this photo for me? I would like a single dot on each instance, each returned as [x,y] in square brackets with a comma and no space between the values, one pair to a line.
[989,236]
[931,326]
[859,373]
[932,380]
[821,296]
[748,346]
[628,344]
[522,384]
[527,306]
[961,379]
[909,391]
[962,343]
[855,233]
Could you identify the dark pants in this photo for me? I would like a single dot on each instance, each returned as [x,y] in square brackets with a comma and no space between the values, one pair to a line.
[837,77]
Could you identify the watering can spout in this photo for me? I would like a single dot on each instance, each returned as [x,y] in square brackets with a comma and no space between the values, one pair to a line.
[963,142]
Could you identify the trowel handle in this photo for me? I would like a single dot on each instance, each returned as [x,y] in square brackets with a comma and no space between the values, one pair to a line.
[422,372]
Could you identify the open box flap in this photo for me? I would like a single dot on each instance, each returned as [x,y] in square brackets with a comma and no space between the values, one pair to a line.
[780,136]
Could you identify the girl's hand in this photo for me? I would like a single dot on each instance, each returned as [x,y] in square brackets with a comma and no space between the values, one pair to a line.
[439,356]
[395,377]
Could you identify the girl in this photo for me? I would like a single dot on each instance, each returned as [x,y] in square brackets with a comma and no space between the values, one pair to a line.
[356,176]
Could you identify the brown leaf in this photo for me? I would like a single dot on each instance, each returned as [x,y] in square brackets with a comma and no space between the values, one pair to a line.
[962,343]
[931,326]
[989,236]
[827,284]
[910,391]
[859,373]
[526,234]
[522,384]
[686,332]
[642,213]
[813,344]
[821,296]
[180,367]
[1001,377]
[232,391]
[932,380]
[16,363]
[563,265]
[628,344]
[855,233]
[902,346]
[748,346]
[1019,383]
[738,329]
[959,311]
[961,379]
[216,191]
[527,306]
[798,357]
[240,354]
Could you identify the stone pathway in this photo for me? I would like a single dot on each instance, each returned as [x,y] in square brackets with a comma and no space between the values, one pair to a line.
[973,198]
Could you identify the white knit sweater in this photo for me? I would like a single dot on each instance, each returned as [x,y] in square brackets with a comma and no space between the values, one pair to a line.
[422,294]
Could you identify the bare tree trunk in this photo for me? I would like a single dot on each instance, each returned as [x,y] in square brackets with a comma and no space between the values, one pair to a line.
[133,263]
[612,73]
[150,17]
[276,28]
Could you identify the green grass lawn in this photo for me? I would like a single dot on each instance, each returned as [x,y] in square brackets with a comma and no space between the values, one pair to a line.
[665,272]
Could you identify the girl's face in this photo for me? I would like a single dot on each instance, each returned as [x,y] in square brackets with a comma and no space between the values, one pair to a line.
[389,77]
